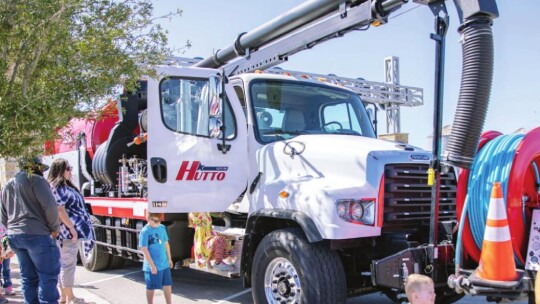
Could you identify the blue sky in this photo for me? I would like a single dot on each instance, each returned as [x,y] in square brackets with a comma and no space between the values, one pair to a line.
[515,96]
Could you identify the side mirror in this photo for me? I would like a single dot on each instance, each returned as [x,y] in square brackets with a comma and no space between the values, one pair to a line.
[214,96]
[370,114]
[214,127]
[215,106]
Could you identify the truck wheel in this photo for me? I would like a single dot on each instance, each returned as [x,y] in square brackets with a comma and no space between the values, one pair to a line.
[289,269]
[98,258]
[115,262]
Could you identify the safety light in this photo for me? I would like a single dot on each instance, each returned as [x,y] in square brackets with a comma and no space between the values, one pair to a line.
[360,211]
[283,194]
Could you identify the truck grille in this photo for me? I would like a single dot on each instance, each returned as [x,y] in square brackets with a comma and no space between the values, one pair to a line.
[407,197]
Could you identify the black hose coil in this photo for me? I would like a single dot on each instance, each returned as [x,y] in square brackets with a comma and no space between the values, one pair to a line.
[476,79]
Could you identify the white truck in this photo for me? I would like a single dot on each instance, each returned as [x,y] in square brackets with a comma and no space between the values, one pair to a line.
[289,166]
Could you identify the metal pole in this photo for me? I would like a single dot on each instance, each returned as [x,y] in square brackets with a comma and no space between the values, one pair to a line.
[441,26]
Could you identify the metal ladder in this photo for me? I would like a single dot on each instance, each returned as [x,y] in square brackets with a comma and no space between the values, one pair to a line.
[370,91]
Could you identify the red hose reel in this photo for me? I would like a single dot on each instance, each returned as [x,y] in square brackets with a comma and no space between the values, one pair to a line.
[521,187]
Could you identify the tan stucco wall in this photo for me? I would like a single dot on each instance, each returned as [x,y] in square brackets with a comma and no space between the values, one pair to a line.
[8,168]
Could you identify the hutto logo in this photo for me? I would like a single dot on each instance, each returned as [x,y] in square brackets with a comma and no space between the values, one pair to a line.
[196,171]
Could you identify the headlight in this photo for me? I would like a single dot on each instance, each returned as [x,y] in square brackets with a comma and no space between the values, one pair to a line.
[341,209]
[360,211]
[357,211]
[369,212]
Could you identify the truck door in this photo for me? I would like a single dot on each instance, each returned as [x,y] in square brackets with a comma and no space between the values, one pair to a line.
[188,169]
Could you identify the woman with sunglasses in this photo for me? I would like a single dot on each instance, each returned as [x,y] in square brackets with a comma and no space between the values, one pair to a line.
[75,226]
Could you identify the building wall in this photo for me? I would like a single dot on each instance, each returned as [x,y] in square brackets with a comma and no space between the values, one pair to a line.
[397,137]
[8,168]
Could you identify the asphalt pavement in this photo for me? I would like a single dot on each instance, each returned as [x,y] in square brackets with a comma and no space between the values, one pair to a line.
[80,292]
[126,285]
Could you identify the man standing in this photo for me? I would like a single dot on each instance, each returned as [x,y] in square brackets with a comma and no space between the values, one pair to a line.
[30,214]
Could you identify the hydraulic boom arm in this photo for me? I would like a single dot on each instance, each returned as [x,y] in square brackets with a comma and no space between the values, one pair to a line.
[300,28]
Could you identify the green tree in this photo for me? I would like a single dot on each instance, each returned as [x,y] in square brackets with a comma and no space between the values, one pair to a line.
[60,59]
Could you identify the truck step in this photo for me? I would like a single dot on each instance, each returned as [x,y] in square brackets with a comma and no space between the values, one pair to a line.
[230,272]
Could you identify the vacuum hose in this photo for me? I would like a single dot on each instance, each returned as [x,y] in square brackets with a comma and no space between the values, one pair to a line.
[476,78]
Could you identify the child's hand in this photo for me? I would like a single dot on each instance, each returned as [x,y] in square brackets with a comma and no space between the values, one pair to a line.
[171,263]
[153,269]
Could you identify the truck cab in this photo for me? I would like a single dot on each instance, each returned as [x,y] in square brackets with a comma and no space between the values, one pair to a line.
[285,157]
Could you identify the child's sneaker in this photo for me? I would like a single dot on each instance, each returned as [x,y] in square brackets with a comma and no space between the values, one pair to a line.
[9,291]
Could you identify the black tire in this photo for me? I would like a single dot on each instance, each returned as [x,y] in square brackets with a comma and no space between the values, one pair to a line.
[98,258]
[296,271]
[116,262]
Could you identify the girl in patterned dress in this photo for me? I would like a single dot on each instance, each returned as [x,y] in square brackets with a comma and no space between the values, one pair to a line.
[208,246]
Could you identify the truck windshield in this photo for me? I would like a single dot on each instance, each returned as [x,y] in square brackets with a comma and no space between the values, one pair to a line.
[285,109]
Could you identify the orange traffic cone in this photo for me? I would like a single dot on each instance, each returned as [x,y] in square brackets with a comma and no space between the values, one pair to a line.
[497,256]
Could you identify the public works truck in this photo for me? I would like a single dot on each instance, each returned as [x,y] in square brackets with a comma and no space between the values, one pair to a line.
[315,207]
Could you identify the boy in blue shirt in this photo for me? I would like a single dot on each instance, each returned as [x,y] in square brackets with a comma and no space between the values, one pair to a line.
[154,243]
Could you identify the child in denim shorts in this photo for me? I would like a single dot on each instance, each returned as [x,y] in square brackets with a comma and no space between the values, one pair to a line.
[154,243]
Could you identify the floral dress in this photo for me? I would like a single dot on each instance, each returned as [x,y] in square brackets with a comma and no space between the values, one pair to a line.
[207,245]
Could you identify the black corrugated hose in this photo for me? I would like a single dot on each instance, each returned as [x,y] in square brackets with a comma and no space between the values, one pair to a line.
[476,78]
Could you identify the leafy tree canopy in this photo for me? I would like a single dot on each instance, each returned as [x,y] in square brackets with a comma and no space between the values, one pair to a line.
[59,59]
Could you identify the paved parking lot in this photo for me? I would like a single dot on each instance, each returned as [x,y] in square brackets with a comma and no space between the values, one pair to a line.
[126,285]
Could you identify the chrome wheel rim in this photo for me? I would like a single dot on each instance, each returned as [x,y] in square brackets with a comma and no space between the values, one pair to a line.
[281,282]
[86,258]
